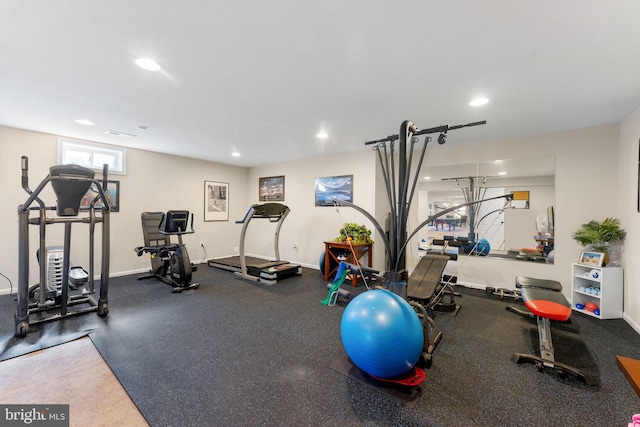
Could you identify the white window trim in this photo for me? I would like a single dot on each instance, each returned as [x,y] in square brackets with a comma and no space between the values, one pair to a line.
[92,148]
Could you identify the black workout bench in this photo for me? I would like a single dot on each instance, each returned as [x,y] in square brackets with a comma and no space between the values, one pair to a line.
[426,288]
[546,302]
[428,281]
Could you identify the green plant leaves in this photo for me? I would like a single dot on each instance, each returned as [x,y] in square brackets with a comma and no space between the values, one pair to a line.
[597,236]
[358,233]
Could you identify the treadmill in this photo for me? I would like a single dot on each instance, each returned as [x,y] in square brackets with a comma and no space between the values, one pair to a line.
[258,269]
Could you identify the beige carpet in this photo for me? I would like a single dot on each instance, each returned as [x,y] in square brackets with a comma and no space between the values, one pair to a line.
[73,373]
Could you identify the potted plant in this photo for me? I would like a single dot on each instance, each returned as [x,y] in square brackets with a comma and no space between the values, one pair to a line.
[605,236]
[358,234]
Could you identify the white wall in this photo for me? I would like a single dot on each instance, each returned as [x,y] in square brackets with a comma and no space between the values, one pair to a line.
[307,225]
[627,184]
[154,182]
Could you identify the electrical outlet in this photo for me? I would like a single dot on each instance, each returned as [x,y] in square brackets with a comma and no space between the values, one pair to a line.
[295,246]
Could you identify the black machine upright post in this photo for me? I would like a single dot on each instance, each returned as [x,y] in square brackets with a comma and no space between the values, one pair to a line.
[472,210]
[22,311]
[65,269]
[401,224]
[103,306]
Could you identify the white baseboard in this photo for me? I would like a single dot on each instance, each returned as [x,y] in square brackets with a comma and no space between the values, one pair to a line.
[311,266]
[7,291]
[128,273]
[472,285]
[630,321]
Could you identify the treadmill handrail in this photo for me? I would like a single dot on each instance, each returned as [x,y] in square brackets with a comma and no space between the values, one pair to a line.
[271,211]
[276,212]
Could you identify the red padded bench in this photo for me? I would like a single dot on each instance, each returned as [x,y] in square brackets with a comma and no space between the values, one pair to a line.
[546,303]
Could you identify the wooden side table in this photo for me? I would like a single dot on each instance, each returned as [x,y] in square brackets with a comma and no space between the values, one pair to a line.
[334,252]
[631,370]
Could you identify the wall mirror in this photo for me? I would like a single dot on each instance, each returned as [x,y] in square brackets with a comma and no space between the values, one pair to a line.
[521,229]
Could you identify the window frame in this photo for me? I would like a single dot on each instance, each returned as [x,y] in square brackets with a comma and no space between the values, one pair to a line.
[93,148]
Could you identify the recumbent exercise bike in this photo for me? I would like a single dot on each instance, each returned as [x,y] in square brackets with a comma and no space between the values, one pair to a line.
[170,262]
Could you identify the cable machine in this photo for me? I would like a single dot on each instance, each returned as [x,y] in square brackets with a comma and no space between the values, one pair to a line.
[400,186]
[70,183]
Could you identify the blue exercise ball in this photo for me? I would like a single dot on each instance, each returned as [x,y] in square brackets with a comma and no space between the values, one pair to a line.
[483,247]
[382,334]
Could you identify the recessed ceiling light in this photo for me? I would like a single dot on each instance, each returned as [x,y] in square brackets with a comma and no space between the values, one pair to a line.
[147,64]
[322,135]
[502,173]
[85,122]
[427,177]
[235,154]
[478,102]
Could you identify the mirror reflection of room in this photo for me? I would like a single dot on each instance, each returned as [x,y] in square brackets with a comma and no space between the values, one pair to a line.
[521,228]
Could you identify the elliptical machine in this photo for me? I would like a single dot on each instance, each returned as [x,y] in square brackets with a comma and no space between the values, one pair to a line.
[56,301]
[170,262]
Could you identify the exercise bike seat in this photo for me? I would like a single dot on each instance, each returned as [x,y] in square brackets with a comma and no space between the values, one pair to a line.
[160,249]
[531,282]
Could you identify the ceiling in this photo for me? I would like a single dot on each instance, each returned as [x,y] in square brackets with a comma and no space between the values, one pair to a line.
[262,78]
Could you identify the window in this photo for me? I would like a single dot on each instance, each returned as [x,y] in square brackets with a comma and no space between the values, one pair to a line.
[92,155]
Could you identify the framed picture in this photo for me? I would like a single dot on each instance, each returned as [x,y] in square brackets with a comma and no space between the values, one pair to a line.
[520,200]
[271,189]
[216,201]
[112,193]
[333,188]
[593,259]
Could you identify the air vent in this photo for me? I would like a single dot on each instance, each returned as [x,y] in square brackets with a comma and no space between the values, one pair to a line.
[122,134]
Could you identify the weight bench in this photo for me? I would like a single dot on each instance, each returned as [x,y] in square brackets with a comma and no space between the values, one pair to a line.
[546,302]
[525,282]
[425,291]
[531,282]
[427,282]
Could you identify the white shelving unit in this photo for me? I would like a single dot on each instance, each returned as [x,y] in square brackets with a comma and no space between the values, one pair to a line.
[607,280]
